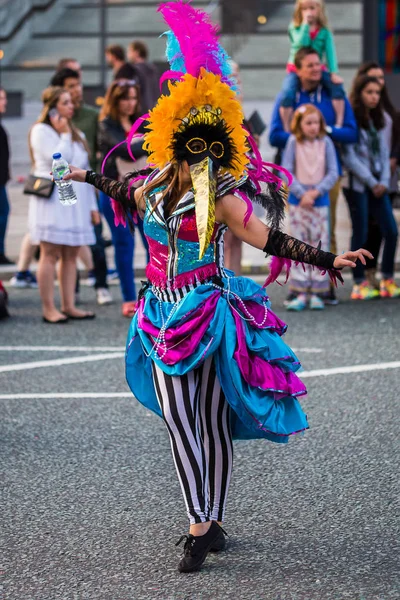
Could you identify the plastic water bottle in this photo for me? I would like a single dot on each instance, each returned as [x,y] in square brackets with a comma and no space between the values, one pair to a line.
[66,192]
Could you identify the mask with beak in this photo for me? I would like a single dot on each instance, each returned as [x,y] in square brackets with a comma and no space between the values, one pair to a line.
[200,119]
[200,122]
[203,141]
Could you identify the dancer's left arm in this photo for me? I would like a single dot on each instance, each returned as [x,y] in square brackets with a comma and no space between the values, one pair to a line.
[231,210]
[127,196]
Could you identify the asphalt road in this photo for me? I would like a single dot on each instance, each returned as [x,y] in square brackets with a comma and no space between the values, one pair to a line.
[91,504]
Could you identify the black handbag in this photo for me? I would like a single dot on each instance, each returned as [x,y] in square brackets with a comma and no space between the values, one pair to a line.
[39,186]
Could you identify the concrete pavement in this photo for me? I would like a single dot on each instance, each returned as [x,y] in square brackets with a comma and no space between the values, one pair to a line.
[91,505]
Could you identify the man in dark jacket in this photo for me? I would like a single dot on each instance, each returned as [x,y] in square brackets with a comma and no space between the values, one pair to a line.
[85,117]
[309,71]
[138,55]
[4,177]
[115,57]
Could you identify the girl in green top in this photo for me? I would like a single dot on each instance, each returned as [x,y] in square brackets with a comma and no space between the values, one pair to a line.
[310,28]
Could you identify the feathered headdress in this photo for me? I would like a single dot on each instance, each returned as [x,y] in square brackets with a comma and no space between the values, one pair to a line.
[201,119]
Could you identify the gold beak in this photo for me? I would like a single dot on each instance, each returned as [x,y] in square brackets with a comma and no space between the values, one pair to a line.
[205,188]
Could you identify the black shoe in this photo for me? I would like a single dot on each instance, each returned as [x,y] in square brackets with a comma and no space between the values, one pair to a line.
[197,547]
[58,322]
[220,542]
[5,261]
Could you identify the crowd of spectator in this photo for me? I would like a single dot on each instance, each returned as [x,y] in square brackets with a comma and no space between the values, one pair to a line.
[328,141]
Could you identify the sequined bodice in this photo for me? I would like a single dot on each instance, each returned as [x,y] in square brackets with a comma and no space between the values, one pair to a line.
[174,245]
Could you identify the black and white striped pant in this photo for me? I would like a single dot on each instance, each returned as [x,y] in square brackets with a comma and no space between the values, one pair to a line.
[197,416]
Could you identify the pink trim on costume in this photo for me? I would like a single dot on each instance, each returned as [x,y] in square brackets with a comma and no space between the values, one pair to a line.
[183,339]
[261,373]
[132,132]
[249,204]
[188,228]
[158,255]
[119,215]
[279,264]
[260,170]
[160,280]
[257,310]
[276,267]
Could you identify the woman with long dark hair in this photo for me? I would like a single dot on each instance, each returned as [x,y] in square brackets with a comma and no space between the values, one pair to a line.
[121,108]
[392,136]
[366,189]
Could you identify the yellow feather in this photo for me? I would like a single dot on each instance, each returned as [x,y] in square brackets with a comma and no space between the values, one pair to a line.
[166,117]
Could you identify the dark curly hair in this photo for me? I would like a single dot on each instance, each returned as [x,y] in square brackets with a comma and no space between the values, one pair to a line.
[362,114]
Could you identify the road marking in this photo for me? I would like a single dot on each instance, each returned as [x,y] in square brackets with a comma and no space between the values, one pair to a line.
[104,349]
[62,349]
[59,362]
[97,395]
[66,396]
[353,369]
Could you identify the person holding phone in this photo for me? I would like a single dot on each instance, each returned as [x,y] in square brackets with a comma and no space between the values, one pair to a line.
[59,230]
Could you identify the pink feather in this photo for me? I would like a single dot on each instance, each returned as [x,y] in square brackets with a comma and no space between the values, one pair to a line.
[279,264]
[132,132]
[119,215]
[249,204]
[196,34]
[276,267]
[170,75]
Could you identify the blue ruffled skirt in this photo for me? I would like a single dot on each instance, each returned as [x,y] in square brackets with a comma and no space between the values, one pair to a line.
[235,325]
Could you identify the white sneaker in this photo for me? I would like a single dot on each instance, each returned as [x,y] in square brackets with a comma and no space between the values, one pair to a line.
[103,296]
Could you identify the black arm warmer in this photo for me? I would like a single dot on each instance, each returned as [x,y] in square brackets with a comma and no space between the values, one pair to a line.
[118,190]
[284,246]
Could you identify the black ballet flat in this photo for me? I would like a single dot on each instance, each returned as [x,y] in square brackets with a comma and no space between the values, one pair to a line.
[197,547]
[82,318]
[58,322]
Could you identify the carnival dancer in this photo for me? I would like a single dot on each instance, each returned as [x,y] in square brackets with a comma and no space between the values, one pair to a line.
[207,347]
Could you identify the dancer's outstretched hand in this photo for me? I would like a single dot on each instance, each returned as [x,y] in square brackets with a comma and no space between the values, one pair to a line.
[76,174]
[348,259]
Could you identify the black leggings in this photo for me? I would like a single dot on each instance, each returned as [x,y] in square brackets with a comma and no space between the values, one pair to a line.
[197,417]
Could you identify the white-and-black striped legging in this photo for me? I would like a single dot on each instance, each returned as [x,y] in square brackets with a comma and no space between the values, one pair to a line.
[197,416]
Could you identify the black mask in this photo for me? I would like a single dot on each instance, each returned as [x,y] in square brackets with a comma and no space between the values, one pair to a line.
[196,142]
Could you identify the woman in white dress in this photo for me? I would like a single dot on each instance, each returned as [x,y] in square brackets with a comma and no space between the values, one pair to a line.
[59,229]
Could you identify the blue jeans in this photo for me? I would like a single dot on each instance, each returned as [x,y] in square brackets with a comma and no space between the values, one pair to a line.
[291,85]
[124,245]
[4,212]
[361,205]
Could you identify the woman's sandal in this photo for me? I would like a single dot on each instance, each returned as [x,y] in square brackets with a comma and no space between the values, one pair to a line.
[83,317]
[58,322]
